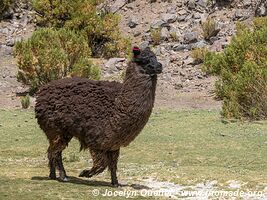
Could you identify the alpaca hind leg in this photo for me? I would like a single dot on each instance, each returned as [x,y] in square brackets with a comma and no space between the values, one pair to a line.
[100,163]
[57,145]
[112,166]
[51,163]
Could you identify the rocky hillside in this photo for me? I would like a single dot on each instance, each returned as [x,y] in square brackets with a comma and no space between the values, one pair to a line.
[18,24]
[183,19]
[176,23]
[180,24]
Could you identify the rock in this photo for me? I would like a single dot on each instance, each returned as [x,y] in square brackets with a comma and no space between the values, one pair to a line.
[165,63]
[146,37]
[181,18]
[261,9]
[247,3]
[22,91]
[197,16]
[133,22]
[169,18]
[17,15]
[158,23]
[136,34]
[200,44]
[182,15]
[4,31]
[219,45]
[182,12]
[8,14]
[213,39]
[191,4]
[114,65]
[164,34]
[144,45]
[179,3]
[241,14]
[158,51]
[11,42]
[118,4]
[7,50]
[171,9]
[178,85]
[202,3]
[189,61]
[190,37]
[179,47]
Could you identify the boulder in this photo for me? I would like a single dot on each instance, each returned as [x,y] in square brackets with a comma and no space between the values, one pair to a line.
[158,23]
[169,18]
[164,34]
[190,37]
[114,65]
[118,4]
[133,22]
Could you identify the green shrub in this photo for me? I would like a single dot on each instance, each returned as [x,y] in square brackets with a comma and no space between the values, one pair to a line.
[242,69]
[25,101]
[100,28]
[199,54]
[50,54]
[209,29]
[156,36]
[4,6]
[53,13]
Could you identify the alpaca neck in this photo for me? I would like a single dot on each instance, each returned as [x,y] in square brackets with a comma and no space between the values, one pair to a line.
[133,107]
[137,94]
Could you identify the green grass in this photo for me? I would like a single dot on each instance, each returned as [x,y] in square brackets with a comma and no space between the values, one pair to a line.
[181,147]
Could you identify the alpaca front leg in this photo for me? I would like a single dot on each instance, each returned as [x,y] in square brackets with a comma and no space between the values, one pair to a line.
[112,165]
[62,173]
[57,145]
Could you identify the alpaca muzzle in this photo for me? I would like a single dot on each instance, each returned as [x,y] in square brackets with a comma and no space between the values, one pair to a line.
[158,68]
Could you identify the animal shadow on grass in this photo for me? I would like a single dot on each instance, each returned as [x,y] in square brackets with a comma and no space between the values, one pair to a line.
[79,181]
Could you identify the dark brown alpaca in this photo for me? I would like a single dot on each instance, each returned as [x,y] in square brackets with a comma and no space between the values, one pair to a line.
[102,115]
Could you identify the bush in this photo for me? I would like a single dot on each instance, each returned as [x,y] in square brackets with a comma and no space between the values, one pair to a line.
[100,28]
[199,54]
[25,102]
[242,69]
[209,29]
[53,13]
[4,6]
[50,54]
[156,36]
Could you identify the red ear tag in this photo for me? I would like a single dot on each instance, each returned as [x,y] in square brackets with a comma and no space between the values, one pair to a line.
[136,51]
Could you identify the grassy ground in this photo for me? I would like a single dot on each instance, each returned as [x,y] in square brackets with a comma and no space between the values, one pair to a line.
[180,147]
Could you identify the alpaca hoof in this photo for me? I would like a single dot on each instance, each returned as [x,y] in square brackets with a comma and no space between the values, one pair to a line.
[64,179]
[52,176]
[85,173]
[116,184]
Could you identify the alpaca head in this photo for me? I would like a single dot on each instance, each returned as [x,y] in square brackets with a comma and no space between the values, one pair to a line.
[147,61]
